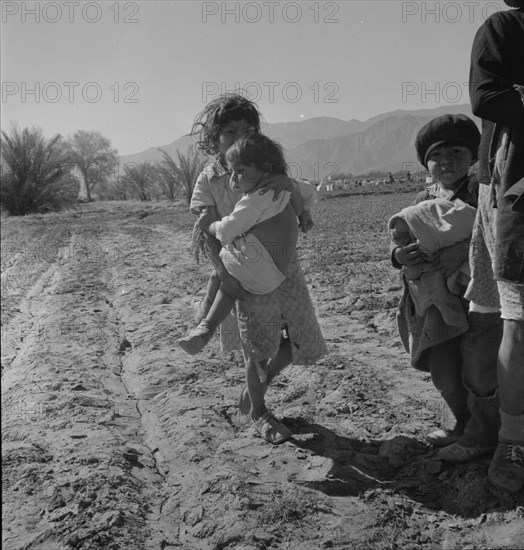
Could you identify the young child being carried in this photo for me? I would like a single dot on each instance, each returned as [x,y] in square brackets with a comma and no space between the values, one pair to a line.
[255,162]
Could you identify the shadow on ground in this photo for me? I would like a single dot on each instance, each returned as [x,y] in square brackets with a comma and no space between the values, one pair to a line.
[403,465]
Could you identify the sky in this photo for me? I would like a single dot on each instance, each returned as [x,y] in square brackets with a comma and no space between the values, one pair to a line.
[139,72]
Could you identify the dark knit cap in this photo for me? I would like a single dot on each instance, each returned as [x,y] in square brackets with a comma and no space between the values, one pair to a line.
[447,129]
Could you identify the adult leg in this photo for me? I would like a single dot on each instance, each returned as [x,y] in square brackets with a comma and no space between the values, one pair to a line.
[507,468]
[444,362]
[511,373]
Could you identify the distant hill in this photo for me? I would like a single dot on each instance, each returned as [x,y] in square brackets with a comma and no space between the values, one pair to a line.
[320,146]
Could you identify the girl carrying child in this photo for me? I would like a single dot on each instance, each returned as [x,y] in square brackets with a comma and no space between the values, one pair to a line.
[261,317]
[255,162]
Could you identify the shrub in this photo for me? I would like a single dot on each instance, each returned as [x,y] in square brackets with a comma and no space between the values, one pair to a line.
[181,174]
[36,174]
[139,181]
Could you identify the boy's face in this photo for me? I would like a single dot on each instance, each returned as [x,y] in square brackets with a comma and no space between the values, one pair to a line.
[245,178]
[449,163]
[230,132]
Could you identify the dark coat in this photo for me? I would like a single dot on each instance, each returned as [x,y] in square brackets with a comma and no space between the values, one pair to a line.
[496,72]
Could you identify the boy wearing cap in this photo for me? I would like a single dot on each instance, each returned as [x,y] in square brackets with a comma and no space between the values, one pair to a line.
[460,356]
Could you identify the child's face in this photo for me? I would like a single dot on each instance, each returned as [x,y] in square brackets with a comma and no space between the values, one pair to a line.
[245,178]
[230,133]
[449,163]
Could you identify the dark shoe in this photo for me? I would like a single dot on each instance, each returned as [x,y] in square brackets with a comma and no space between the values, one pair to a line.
[460,453]
[443,438]
[195,340]
[507,467]
[271,429]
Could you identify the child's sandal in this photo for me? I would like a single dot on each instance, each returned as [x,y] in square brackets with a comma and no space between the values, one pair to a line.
[196,340]
[271,429]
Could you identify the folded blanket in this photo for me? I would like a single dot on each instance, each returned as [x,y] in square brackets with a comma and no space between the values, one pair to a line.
[428,296]
[436,224]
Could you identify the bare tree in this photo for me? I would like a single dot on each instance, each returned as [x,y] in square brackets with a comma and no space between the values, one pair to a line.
[181,174]
[91,152]
[36,173]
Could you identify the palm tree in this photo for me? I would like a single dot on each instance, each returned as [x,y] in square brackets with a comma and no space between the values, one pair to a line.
[36,172]
[181,175]
[139,180]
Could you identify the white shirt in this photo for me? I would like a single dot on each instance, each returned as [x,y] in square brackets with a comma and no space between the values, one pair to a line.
[249,210]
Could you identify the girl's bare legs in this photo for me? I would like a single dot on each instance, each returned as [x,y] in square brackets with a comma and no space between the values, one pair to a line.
[256,389]
[273,368]
[264,422]
[282,359]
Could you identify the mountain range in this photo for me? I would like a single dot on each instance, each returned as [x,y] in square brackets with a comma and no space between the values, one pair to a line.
[318,147]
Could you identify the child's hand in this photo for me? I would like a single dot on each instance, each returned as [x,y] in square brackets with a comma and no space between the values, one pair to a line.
[306,222]
[409,255]
[278,184]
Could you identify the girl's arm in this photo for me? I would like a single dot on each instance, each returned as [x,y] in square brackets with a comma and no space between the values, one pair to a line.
[303,197]
[309,196]
[201,197]
[296,200]
[208,214]
[308,193]
[306,222]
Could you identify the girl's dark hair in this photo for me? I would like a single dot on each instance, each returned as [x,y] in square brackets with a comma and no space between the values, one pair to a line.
[259,150]
[217,113]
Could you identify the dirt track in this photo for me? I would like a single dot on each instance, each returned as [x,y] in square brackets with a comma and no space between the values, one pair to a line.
[93,301]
